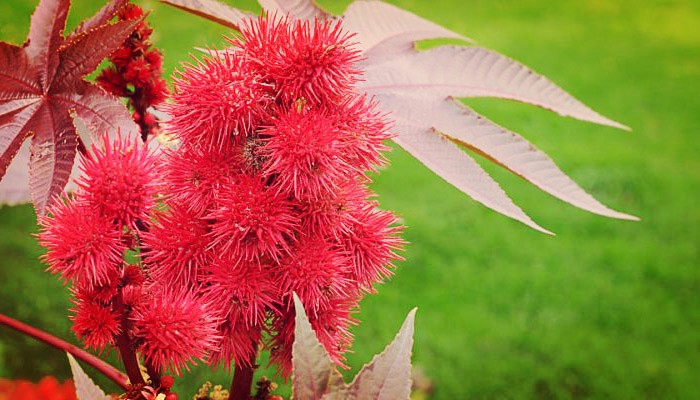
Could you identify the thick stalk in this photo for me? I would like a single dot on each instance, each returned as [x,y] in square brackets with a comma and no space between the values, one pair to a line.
[242,384]
[102,367]
[125,344]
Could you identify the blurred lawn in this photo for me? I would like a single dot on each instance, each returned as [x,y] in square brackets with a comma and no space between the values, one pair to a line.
[607,309]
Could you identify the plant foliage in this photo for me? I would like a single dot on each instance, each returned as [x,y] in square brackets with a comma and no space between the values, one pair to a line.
[386,377]
[418,90]
[42,90]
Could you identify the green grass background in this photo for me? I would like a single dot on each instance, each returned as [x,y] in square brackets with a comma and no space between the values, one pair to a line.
[606,309]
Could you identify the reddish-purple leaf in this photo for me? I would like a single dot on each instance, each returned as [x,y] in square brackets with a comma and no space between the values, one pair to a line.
[43,85]
[16,81]
[45,37]
[84,53]
[53,150]
[9,141]
[103,16]
[101,112]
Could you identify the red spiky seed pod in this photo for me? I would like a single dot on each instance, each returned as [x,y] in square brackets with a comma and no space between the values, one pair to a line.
[96,325]
[251,222]
[118,180]
[81,245]
[174,329]
[218,101]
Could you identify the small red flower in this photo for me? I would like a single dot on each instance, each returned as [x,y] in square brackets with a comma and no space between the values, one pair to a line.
[238,343]
[317,272]
[193,175]
[315,61]
[371,242]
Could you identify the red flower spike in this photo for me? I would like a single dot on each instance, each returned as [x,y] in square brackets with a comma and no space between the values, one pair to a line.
[252,221]
[174,329]
[139,70]
[95,324]
[217,101]
[119,180]
[304,154]
[176,247]
[81,245]
[275,171]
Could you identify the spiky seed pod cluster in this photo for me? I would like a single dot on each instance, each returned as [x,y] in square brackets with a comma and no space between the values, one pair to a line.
[88,237]
[267,192]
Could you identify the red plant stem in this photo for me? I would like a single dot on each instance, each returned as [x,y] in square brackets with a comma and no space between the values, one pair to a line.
[153,374]
[102,367]
[125,345]
[242,383]
[139,103]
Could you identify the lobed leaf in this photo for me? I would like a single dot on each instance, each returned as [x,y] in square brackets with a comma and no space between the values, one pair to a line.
[213,11]
[474,72]
[85,388]
[384,31]
[297,9]
[15,75]
[311,375]
[84,53]
[512,152]
[45,37]
[102,17]
[53,149]
[419,138]
[388,375]
[9,141]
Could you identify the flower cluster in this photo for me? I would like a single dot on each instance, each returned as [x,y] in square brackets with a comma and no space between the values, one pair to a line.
[195,255]
[90,238]
[136,72]
[268,190]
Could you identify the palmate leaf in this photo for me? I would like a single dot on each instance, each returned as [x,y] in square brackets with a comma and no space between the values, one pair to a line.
[85,388]
[416,88]
[41,89]
[314,377]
